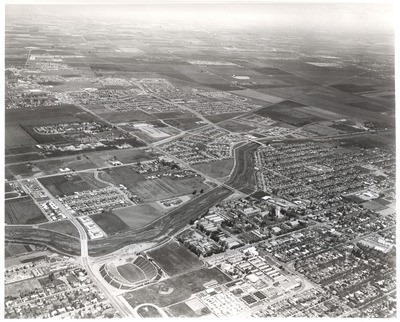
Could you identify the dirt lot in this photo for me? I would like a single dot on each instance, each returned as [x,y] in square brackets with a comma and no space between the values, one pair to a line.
[138,216]
[175,259]
[63,226]
[110,223]
[215,169]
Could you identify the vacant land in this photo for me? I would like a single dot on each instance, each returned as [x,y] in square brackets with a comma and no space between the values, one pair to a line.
[17,288]
[215,169]
[23,211]
[110,223]
[63,226]
[175,259]
[175,289]
[138,216]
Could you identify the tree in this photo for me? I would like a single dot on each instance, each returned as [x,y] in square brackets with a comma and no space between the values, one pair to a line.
[194,192]
[202,190]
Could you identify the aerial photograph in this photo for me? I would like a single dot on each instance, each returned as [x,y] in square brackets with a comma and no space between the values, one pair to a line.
[215,159]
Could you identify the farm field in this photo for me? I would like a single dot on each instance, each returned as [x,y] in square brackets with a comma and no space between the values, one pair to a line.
[18,121]
[175,259]
[121,116]
[185,124]
[70,183]
[139,216]
[149,190]
[124,156]
[15,250]
[23,211]
[163,188]
[175,289]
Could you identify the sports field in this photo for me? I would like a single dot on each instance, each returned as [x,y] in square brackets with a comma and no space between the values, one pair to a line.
[131,273]
[175,289]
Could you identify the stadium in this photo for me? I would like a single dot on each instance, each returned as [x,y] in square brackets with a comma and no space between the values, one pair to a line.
[134,273]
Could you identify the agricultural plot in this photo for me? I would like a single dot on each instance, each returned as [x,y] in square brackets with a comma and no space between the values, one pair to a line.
[15,250]
[70,183]
[175,289]
[163,188]
[289,112]
[122,116]
[138,216]
[23,211]
[185,123]
[149,190]
[175,259]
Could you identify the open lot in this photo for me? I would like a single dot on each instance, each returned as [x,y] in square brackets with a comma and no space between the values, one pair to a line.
[109,223]
[175,259]
[215,169]
[138,216]
[62,226]
[175,289]
[15,289]
[23,211]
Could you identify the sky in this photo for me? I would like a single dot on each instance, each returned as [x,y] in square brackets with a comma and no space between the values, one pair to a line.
[328,16]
